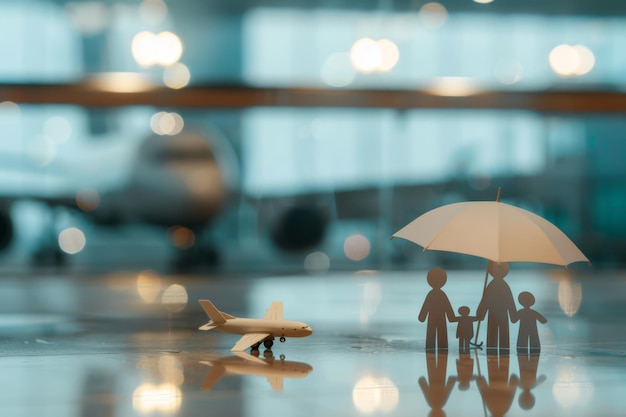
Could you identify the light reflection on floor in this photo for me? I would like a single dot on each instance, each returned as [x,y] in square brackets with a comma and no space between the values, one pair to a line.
[365,357]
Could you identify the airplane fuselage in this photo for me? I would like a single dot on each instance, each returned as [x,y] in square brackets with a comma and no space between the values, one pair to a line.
[277,328]
[286,369]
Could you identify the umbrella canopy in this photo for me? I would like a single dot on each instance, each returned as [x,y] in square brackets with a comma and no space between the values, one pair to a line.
[493,230]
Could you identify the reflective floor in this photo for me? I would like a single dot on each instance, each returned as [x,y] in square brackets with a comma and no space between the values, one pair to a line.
[126,344]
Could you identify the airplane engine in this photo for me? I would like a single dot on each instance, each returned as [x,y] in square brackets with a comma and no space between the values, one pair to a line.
[6,229]
[299,228]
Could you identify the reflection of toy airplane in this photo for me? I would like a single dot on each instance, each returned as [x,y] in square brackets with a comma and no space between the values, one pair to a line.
[243,364]
[255,331]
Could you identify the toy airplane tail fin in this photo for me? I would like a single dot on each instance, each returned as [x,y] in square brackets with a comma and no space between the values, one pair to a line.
[216,316]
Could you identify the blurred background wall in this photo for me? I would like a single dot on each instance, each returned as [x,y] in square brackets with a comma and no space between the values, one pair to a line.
[275,135]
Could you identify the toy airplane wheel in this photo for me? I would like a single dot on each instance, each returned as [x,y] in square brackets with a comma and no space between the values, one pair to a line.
[268,343]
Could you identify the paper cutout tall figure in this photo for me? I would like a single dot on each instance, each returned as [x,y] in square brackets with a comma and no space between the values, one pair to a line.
[437,389]
[436,308]
[499,393]
[498,304]
[528,336]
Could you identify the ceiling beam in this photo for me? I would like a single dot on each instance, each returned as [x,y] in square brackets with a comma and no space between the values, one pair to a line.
[240,97]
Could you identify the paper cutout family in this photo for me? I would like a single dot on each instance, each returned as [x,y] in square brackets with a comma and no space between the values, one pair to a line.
[497,390]
[500,233]
[497,305]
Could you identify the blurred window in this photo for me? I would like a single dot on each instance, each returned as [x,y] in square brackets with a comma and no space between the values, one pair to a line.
[308,47]
[289,151]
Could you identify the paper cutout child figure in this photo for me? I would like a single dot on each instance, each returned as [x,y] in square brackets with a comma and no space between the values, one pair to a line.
[528,336]
[436,308]
[437,389]
[465,328]
[528,380]
[498,303]
[499,393]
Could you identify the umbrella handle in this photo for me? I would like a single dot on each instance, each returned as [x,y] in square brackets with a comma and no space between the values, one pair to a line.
[484,287]
[486,276]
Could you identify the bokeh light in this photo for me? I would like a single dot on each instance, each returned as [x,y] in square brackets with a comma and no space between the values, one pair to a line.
[89,17]
[153,12]
[175,298]
[58,129]
[169,48]
[586,60]
[317,262]
[182,237]
[368,55]
[372,296]
[567,60]
[88,199]
[144,48]
[42,151]
[9,106]
[570,297]
[162,49]
[572,388]
[365,55]
[509,72]
[453,87]
[356,247]
[163,399]
[176,76]
[121,82]
[171,369]
[72,240]
[148,286]
[389,55]
[375,394]
[337,70]
[433,15]
[164,123]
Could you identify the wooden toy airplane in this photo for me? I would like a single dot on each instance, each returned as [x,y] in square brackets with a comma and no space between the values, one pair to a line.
[255,331]
[274,370]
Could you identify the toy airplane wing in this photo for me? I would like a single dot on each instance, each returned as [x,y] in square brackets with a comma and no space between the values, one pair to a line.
[276,382]
[275,312]
[213,376]
[248,340]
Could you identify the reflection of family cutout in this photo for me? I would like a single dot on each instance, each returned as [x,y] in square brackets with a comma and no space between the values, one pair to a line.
[497,304]
[497,390]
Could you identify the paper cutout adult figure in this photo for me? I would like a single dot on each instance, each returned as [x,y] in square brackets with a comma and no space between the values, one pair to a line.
[437,389]
[436,308]
[465,328]
[528,336]
[499,393]
[528,365]
[465,370]
[498,304]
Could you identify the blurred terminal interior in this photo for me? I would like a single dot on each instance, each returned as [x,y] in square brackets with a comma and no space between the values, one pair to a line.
[299,135]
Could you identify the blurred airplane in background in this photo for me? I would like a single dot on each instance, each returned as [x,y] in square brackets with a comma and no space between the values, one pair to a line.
[175,183]
[180,183]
